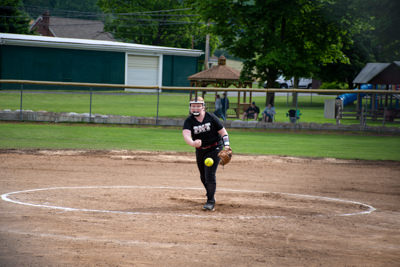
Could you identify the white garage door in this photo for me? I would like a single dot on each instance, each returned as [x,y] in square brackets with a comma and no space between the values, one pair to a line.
[142,70]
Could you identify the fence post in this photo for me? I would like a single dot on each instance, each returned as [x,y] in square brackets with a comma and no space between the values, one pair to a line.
[287,99]
[90,106]
[20,103]
[158,103]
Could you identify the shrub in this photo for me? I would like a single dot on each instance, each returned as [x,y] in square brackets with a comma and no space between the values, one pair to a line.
[334,85]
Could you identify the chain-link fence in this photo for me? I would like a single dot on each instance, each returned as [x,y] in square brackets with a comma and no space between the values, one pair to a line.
[291,105]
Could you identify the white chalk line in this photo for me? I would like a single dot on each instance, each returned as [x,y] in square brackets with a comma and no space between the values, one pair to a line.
[6,197]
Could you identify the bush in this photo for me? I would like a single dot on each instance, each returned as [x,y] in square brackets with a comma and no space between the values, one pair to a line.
[334,85]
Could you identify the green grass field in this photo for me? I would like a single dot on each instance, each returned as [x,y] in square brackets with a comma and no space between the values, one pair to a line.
[104,137]
[172,105]
[175,105]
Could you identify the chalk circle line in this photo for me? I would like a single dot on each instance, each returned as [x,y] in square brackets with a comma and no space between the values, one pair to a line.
[6,197]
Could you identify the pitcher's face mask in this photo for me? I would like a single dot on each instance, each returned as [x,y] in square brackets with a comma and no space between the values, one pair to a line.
[196,106]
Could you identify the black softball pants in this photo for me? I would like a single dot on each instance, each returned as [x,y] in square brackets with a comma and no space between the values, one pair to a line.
[207,174]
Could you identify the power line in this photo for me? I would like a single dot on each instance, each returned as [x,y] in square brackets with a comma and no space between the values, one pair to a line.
[153,21]
[154,15]
[84,13]
[5,16]
[170,10]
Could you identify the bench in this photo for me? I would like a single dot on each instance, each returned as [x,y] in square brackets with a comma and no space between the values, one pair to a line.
[238,110]
[234,111]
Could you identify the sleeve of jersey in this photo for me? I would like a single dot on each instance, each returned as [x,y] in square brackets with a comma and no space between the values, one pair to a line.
[218,124]
[186,125]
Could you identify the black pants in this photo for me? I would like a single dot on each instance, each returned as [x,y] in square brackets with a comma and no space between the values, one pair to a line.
[207,174]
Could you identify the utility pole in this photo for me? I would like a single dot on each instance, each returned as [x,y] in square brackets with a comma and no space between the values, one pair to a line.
[207,54]
[207,51]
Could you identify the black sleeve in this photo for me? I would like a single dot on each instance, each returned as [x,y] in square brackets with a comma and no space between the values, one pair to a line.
[187,124]
[218,124]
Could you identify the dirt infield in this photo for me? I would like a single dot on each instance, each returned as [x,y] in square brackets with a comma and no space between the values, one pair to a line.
[132,208]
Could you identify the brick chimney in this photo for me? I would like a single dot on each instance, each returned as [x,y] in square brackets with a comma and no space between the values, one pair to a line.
[44,25]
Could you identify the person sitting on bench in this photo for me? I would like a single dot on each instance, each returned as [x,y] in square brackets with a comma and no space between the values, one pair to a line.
[269,113]
[252,112]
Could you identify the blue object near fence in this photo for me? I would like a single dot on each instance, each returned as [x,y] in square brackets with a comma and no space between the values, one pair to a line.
[350,98]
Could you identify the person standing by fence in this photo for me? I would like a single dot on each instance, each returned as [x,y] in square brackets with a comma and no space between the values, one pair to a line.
[218,107]
[225,104]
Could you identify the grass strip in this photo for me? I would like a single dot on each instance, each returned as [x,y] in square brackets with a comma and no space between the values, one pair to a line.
[102,137]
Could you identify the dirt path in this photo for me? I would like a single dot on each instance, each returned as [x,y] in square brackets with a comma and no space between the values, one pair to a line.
[125,208]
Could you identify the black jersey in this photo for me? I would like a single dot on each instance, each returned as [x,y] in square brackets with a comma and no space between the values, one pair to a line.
[206,131]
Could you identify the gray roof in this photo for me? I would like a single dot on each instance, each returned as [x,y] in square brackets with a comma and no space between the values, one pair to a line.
[370,71]
[98,45]
[73,28]
[79,28]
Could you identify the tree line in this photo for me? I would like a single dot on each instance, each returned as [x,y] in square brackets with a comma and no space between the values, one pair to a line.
[329,40]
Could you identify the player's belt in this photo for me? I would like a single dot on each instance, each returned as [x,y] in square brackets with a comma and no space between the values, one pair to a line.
[210,146]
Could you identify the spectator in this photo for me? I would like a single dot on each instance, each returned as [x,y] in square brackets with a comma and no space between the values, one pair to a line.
[225,104]
[269,113]
[218,107]
[252,112]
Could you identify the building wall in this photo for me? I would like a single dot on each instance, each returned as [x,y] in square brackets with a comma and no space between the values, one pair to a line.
[64,65]
[73,65]
[177,69]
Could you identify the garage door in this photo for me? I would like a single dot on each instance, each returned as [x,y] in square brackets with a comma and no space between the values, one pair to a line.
[142,70]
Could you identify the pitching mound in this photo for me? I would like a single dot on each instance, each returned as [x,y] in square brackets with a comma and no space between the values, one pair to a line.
[134,208]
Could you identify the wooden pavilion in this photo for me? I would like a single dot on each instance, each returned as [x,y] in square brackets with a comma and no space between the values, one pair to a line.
[222,76]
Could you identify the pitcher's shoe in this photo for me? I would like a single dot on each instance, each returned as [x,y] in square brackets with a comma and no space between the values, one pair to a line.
[209,206]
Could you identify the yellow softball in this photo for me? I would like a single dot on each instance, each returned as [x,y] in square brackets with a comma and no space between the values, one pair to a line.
[208,162]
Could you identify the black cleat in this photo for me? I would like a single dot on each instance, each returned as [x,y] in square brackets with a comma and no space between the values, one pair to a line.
[209,206]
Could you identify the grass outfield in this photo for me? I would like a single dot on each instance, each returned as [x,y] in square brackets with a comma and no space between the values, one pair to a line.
[102,137]
[172,105]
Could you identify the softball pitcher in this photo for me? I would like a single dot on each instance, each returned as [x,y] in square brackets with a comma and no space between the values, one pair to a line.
[205,132]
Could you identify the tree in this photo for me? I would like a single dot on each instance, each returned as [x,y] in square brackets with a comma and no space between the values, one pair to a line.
[87,9]
[372,36]
[355,20]
[385,19]
[154,22]
[274,37]
[12,19]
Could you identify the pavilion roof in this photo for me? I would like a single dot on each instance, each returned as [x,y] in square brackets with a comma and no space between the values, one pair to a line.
[219,72]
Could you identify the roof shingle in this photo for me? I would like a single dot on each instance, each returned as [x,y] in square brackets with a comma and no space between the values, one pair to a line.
[219,72]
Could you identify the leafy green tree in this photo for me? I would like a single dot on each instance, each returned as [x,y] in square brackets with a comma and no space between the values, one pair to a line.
[385,16]
[87,9]
[274,37]
[12,18]
[372,36]
[355,20]
[154,22]
[359,53]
